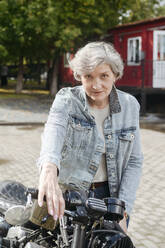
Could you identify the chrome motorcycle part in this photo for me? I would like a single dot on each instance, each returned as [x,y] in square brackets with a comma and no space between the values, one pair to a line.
[96,206]
[63,231]
[76,236]
[5,205]
[16,232]
[18,215]
[33,245]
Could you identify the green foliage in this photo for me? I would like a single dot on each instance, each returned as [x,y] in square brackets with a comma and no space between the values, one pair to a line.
[21,26]
[39,30]
[142,9]
[3,55]
[160,11]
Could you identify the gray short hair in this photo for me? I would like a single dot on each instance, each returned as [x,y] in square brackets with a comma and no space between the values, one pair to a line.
[93,54]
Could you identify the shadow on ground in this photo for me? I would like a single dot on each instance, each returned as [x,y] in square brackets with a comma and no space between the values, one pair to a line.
[33,103]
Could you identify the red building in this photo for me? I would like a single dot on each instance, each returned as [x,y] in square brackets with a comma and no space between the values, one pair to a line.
[142,47]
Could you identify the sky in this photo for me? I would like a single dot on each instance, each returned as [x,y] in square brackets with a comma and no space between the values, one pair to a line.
[162,2]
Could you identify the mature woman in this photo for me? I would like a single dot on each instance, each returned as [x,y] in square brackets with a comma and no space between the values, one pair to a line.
[91,138]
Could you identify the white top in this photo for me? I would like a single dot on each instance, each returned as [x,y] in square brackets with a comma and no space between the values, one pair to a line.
[100,115]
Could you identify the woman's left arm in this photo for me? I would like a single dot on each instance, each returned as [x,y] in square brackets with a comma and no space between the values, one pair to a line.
[132,173]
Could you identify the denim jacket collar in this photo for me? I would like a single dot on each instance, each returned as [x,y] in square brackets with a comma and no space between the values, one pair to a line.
[114,103]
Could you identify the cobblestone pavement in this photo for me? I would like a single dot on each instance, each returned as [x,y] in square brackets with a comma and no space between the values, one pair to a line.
[31,110]
[147,227]
[20,146]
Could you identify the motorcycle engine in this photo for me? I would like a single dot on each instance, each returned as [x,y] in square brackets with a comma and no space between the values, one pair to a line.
[17,232]
[33,245]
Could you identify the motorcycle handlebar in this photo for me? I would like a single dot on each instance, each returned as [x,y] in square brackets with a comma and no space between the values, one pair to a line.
[73,198]
[113,208]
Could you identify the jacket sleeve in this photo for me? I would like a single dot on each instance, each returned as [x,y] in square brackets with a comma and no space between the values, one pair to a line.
[53,136]
[132,173]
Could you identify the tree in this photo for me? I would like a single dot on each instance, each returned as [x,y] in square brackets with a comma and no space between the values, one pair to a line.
[21,24]
[3,55]
[160,11]
[45,29]
[141,10]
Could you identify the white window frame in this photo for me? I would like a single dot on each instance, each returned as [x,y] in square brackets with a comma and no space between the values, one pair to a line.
[155,46]
[133,52]
[66,64]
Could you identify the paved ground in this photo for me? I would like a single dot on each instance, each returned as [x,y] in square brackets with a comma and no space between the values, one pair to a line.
[30,109]
[19,149]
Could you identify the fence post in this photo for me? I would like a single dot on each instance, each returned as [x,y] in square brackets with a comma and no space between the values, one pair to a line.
[143,92]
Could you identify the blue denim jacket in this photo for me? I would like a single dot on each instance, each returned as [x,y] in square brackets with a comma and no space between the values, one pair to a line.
[72,142]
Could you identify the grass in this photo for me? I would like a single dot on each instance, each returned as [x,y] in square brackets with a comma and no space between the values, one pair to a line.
[31,89]
[27,84]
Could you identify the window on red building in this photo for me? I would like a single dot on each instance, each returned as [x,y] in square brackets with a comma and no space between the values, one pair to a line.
[134,51]
[161,47]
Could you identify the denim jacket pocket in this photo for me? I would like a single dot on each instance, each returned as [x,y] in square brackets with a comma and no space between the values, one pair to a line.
[126,137]
[80,124]
[125,145]
[78,137]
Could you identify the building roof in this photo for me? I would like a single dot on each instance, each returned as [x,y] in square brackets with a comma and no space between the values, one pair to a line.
[141,22]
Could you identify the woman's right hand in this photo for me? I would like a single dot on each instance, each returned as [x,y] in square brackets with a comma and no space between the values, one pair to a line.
[49,187]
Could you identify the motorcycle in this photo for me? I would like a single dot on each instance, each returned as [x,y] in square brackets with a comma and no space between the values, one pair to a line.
[88,222]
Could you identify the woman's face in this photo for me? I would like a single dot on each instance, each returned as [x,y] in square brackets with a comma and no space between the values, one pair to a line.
[98,85]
